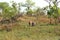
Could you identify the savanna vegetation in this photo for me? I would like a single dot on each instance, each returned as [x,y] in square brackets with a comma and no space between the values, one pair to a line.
[34,23]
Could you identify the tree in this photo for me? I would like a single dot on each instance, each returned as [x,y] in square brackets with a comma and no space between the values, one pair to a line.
[50,11]
[14,5]
[3,5]
[56,14]
[19,7]
[28,4]
[53,10]
[40,11]
[8,11]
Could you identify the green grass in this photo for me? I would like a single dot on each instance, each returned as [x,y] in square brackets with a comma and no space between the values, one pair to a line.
[22,31]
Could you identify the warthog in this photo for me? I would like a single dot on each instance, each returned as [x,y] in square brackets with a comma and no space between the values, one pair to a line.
[32,23]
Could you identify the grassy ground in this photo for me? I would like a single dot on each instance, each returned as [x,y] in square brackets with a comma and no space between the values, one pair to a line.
[22,31]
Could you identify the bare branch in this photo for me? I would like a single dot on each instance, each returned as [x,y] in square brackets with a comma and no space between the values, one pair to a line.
[58,2]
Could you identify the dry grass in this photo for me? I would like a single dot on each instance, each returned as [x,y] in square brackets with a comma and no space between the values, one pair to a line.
[22,31]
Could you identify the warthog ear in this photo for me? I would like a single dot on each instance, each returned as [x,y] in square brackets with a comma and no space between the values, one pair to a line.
[29,23]
[33,23]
